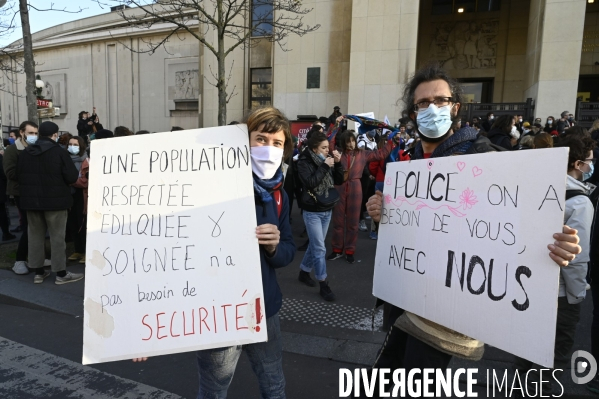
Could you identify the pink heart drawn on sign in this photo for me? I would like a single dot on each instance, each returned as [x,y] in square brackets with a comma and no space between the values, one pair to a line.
[476,171]
[461,165]
[430,165]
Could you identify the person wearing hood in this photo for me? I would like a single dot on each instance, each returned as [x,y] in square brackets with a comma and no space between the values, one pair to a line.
[27,135]
[435,100]
[76,223]
[578,214]
[45,172]
[503,132]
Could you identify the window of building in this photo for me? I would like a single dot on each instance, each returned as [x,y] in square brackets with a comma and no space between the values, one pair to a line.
[313,78]
[441,7]
[262,17]
[261,87]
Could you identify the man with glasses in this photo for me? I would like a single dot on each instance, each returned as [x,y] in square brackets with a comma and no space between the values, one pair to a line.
[434,101]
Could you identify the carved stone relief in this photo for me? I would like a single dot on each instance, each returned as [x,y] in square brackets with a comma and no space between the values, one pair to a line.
[465,45]
[186,85]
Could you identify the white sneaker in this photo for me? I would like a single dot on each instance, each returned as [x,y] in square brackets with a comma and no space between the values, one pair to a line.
[20,267]
[47,262]
[362,226]
[69,278]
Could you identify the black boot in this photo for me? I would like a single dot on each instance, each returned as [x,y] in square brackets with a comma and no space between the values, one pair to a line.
[325,291]
[305,278]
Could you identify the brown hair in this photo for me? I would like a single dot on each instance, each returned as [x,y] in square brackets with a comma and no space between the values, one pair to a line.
[543,140]
[64,139]
[579,146]
[82,144]
[122,131]
[346,137]
[271,120]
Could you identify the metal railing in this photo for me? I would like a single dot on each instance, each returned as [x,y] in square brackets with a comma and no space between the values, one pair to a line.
[480,110]
[586,113]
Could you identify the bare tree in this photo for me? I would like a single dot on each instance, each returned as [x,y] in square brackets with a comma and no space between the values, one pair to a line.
[235,23]
[10,59]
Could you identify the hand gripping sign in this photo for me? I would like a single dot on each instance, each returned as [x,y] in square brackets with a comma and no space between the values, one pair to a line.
[463,243]
[172,255]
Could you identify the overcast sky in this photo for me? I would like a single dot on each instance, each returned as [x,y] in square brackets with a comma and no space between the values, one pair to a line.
[42,20]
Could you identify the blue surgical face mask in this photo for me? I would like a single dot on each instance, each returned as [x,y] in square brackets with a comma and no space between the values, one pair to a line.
[587,175]
[322,157]
[31,139]
[433,122]
[11,140]
[74,149]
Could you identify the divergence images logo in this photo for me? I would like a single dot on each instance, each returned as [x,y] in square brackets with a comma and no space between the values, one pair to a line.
[583,362]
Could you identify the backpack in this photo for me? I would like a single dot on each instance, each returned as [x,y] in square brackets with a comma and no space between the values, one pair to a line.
[482,145]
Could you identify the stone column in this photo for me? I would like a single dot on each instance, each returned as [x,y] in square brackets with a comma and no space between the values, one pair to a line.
[555,31]
[384,35]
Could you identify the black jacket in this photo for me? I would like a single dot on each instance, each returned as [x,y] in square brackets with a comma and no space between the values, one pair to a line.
[500,138]
[311,175]
[45,172]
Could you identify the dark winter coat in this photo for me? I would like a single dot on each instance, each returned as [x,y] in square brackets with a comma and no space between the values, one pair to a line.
[11,157]
[266,212]
[500,138]
[311,175]
[45,172]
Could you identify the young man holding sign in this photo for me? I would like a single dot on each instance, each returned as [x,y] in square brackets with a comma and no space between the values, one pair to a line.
[270,143]
[434,101]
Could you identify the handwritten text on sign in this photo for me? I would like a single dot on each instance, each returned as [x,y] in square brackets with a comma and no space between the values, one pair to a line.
[463,243]
[172,256]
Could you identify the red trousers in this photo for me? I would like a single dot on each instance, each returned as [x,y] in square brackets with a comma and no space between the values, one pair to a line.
[346,217]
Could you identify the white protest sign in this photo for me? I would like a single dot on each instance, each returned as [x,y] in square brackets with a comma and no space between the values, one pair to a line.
[172,254]
[463,243]
[357,124]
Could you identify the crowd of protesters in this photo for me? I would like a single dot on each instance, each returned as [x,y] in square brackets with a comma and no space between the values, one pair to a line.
[335,174]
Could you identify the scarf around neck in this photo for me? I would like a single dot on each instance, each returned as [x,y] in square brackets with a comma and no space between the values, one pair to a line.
[264,187]
[327,182]
[78,160]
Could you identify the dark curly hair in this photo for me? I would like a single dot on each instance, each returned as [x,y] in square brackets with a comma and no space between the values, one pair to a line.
[428,73]
[579,146]
[315,139]
[504,122]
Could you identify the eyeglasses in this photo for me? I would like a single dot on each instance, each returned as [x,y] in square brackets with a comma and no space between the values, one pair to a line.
[438,101]
[591,160]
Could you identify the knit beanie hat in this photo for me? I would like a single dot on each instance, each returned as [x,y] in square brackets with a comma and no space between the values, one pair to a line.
[47,129]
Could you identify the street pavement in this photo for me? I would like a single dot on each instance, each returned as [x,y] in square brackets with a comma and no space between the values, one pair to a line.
[41,340]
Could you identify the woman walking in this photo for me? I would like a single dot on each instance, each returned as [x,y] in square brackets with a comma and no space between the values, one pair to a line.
[346,215]
[319,173]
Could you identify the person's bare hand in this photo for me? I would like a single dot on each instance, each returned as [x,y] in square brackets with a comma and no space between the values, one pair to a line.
[337,156]
[268,236]
[330,161]
[565,248]
[375,205]
[339,118]
[140,359]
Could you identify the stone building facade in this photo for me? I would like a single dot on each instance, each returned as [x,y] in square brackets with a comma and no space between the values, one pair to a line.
[359,59]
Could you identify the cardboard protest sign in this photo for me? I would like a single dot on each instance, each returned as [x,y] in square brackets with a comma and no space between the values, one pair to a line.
[172,255]
[463,243]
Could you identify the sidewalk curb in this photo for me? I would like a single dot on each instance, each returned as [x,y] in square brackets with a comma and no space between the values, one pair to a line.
[20,293]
